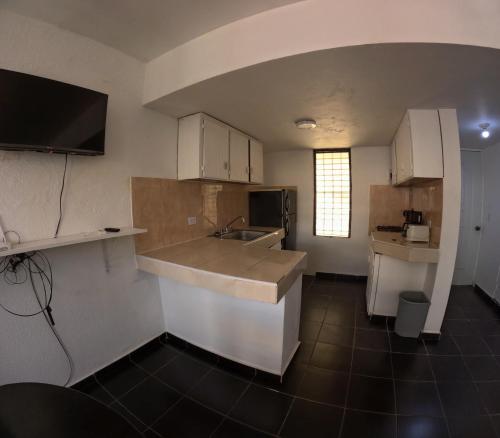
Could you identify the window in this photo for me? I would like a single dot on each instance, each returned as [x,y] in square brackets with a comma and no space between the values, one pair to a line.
[332,190]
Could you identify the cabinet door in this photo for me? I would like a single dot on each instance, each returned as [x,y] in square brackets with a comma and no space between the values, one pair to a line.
[426,143]
[394,163]
[256,162]
[215,150]
[238,157]
[404,166]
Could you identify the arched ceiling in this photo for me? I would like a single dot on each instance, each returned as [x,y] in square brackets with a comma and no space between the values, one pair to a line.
[144,29]
[356,94]
[312,25]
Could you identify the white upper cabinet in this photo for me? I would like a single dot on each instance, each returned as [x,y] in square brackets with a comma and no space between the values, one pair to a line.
[238,156]
[215,150]
[417,151]
[210,149]
[394,173]
[256,162]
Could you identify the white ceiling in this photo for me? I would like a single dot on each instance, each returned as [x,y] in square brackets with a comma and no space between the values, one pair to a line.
[357,95]
[144,29]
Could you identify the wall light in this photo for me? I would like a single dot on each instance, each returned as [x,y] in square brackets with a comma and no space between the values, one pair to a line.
[484,127]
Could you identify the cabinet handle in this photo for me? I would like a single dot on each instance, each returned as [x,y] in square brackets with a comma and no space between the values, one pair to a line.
[247,170]
[225,165]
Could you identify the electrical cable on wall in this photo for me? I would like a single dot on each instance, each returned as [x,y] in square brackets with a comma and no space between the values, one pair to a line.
[61,195]
[35,266]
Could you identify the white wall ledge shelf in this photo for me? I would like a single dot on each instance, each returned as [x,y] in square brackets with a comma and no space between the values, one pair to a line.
[73,239]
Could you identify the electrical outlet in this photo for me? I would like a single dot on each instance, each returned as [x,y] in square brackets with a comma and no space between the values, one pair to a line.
[192,220]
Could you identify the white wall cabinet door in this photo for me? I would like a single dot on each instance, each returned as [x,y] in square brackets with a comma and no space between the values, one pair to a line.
[256,162]
[418,150]
[394,170]
[238,157]
[215,150]
[210,149]
[404,165]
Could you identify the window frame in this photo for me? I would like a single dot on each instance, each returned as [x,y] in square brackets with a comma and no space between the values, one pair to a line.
[316,151]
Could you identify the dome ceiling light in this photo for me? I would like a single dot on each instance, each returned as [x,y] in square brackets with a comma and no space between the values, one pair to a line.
[485,133]
[306,124]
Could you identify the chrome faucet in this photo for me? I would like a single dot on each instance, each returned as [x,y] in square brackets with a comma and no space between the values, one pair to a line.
[227,229]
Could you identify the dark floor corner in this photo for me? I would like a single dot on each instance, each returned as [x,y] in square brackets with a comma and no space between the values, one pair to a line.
[352,377]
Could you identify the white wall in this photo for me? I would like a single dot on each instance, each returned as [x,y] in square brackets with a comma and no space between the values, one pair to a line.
[370,165]
[488,263]
[101,315]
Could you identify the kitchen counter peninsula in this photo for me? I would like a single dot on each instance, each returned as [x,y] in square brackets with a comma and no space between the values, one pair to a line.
[238,299]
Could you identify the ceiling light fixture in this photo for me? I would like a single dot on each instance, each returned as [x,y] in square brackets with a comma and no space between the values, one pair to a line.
[305,124]
[484,133]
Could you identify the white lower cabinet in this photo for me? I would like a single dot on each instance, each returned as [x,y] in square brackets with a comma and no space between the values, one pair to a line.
[387,277]
[260,335]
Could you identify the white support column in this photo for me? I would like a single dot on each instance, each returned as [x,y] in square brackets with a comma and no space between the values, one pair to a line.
[439,279]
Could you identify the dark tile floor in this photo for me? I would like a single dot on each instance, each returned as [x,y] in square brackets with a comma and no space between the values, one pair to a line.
[352,377]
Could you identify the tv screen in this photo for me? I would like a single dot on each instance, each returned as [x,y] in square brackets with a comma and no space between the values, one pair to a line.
[39,114]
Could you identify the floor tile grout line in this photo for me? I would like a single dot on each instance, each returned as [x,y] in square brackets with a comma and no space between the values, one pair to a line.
[182,397]
[227,414]
[393,380]
[286,416]
[214,367]
[295,397]
[169,361]
[476,386]
[105,390]
[348,387]
[475,383]
[436,387]
[132,414]
[249,383]
[492,424]
[117,398]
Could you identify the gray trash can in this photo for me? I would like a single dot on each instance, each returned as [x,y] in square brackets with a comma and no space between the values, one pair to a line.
[412,313]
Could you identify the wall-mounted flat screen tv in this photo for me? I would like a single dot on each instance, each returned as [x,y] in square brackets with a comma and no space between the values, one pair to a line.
[39,114]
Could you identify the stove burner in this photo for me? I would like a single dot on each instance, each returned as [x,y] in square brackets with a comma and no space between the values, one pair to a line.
[390,228]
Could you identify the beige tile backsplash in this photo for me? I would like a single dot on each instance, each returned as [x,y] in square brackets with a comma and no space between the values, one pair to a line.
[163,206]
[388,202]
[428,198]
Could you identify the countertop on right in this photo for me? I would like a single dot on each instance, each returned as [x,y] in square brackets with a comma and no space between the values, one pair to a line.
[395,245]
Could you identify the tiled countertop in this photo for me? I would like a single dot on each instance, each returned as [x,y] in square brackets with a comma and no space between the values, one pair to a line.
[394,245]
[249,270]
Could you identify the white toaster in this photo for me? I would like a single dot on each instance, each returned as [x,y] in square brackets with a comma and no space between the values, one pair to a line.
[417,233]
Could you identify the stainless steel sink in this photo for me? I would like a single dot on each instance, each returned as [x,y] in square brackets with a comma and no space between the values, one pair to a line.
[245,235]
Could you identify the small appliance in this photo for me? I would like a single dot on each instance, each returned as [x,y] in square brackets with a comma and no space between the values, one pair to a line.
[417,233]
[411,217]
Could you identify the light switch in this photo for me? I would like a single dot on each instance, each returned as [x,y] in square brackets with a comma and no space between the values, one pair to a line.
[192,220]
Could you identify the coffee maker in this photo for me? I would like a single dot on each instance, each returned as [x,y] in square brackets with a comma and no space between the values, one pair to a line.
[412,217]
